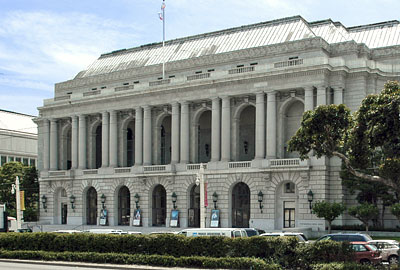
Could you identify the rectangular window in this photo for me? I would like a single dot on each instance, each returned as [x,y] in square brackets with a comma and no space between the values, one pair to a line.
[25,161]
[18,159]
[3,160]
[10,159]
[32,162]
[289,215]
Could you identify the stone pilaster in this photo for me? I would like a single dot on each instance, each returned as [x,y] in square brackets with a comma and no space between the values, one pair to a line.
[82,142]
[138,136]
[105,125]
[338,95]
[215,129]
[46,145]
[185,126]
[53,145]
[113,139]
[74,142]
[308,98]
[271,125]
[147,150]
[321,95]
[175,138]
[226,129]
[260,126]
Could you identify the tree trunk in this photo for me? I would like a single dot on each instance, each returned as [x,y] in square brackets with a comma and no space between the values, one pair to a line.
[329,226]
[366,227]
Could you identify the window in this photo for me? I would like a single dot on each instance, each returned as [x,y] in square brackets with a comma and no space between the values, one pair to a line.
[63,193]
[289,215]
[32,162]
[289,188]
[10,159]
[3,160]
[18,159]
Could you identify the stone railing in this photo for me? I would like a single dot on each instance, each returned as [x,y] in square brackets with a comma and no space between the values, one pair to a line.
[285,162]
[154,168]
[289,63]
[159,82]
[123,88]
[241,70]
[122,170]
[239,164]
[92,93]
[198,76]
[195,167]
[90,171]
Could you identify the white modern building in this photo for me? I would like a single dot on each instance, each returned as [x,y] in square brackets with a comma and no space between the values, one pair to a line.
[120,132]
[18,138]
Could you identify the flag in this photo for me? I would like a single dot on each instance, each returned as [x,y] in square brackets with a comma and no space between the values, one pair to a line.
[22,199]
[205,195]
[160,14]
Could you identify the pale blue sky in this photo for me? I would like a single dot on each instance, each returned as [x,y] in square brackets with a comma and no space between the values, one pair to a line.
[43,42]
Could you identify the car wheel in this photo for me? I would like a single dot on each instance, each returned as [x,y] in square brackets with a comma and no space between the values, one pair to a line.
[365,261]
[393,260]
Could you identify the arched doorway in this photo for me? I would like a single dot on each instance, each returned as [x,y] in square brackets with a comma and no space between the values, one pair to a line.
[159,206]
[194,209]
[91,206]
[165,141]
[204,138]
[247,137]
[240,206]
[98,143]
[124,208]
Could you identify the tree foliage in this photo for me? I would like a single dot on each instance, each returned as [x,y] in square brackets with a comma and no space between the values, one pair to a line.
[28,183]
[367,142]
[364,212]
[328,211]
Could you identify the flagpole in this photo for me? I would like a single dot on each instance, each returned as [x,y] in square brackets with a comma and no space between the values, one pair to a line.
[163,42]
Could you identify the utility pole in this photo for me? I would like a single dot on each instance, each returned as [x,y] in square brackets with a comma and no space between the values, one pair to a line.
[200,181]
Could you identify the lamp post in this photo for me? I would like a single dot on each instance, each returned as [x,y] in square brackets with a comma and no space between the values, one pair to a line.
[103,200]
[310,197]
[137,198]
[174,197]
[215,199]
[260,200]
[44,202]
[72,201]
[200,181]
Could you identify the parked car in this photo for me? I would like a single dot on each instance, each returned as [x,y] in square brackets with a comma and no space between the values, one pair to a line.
[366,253]
[390,250]
[300,236]
[349,237]
[227,232]
[68,231]
[251,232]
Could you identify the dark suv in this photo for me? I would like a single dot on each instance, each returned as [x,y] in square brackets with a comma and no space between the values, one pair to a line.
[349,237]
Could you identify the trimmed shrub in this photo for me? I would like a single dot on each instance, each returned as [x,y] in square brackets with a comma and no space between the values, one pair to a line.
[341,266]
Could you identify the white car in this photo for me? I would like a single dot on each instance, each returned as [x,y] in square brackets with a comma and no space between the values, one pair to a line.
[389,249]
[300,236]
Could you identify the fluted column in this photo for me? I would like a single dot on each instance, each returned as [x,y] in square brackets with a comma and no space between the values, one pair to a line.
[215,130]
[82,142]
[46,145]
[308,98]
[338,95]
[147,136]
[271,125]
[185,126]
[53,145]
[260,126]
[74,143]
[321,95]
[113,139]
[105,139]
[138,136]
[175,138]
[226,129]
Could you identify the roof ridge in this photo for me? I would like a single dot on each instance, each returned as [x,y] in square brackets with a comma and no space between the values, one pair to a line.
[24,114]
[373,25]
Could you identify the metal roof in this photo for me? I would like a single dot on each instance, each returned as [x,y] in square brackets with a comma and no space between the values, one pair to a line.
[244,37]
[17,122]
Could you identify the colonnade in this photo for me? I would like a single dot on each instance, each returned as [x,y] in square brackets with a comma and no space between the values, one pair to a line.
[265,131]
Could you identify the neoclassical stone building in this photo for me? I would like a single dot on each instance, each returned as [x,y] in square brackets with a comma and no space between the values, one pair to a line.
[229,99]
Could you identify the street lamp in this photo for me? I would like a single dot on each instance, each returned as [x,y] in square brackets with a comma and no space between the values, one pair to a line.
[260,200]
[215,199]
[103,200]
[200,181]
[137,199]
[174,197]
[72,201]
[44,202]
[310,197]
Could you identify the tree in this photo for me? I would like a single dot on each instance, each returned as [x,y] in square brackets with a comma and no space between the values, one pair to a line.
[328,211]
[367,141]
[364,212]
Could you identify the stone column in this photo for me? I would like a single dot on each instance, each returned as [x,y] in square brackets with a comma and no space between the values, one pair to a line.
[226,129]
[82,142]
[74,143]
[113,139]
[271,125]
[147,150]
[215,130]
[138,136]
[46,145]
[175,138]
[105,124]
[53,145]
[260,126]
[185,126]
[308,98]
[321,95]
[338,95]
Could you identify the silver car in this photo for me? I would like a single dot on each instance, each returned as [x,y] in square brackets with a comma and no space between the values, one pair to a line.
[389,249]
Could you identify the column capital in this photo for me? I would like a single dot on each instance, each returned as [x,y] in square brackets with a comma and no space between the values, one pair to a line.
[174,103]
[308,88]
[271,92]
[260,93]
[147,107]
[215,99]
[184,102]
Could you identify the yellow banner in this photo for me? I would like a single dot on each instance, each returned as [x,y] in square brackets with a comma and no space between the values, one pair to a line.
[22,199]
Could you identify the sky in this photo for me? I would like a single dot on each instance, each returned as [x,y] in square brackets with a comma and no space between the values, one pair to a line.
[43,42]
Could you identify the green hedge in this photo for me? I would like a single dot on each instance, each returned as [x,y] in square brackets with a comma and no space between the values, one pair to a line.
[154,260]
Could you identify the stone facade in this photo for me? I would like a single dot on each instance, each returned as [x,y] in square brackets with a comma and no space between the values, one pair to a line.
[119,129]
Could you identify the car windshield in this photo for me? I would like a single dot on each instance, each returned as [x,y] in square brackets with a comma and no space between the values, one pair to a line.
[251,233]
[372,247]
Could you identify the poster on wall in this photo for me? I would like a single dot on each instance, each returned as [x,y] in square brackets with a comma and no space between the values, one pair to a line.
[103,217]
[137,218]
[214,218]
[174,218]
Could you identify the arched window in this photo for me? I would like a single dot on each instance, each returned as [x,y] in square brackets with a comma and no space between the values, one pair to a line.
[292,122]
[98,146]
[247,137]
[204,138]
[159,206]
[240,206]
[91,206]
[124,208]
[165,141]
[129,148]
